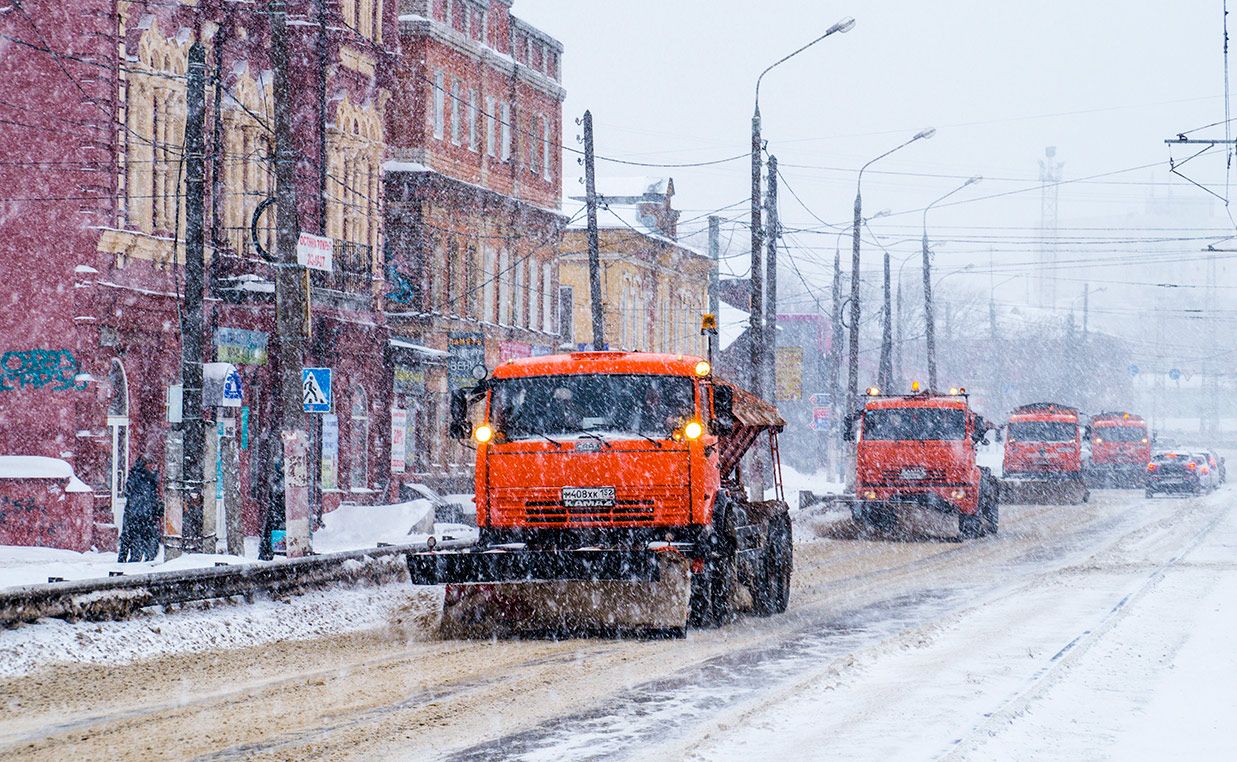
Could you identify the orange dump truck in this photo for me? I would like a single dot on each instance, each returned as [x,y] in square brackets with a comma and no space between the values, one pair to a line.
[609,496]
[915,454]
[1043,455]
[1120,450]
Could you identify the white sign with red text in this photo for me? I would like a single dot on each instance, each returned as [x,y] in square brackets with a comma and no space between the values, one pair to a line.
[315,252]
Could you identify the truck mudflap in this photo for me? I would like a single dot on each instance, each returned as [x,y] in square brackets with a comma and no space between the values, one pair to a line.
[652,599]
[519,565]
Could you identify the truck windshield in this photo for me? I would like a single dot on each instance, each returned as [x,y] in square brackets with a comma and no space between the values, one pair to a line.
[1042,431]
[1120,433]
[540,406]
[914,423]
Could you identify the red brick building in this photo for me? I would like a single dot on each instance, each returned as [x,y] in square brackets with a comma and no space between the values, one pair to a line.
[92,239]
[472,196]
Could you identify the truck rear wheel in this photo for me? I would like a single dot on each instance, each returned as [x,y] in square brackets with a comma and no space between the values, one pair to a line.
[969,526]
[772,593]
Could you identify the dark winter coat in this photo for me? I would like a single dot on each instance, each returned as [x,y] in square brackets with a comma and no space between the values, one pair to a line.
[141,530]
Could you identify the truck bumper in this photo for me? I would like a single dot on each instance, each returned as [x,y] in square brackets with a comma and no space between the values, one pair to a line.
[518,565]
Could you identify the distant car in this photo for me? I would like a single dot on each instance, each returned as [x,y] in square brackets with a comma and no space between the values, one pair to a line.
[1178,471]
[1218,465]
[445,511]
[1211,469]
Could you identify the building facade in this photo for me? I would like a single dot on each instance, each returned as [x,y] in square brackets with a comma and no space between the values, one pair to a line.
[472,176]
[94,226]
[655,289]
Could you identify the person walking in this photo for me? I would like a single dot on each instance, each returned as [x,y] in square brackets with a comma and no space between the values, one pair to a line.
[139,533]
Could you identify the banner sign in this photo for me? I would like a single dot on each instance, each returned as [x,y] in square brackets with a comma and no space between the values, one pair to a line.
[330,451]
[788,373]
[314,252]
[399,429]
[465,353]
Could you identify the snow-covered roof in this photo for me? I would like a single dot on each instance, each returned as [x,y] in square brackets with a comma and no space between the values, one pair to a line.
[731,323]
[615,216]
[629,187]
[419,349]
[39,467]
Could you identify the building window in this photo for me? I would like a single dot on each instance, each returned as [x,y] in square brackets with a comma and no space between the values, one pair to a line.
[490,274]
[472,120]
[472,280]
[545,148]
[532,145]
[506,131]
[566,314]
[504,289]
[359,440]
[520,312]
[489,124]
[547,289]
[439,98]
[455,111]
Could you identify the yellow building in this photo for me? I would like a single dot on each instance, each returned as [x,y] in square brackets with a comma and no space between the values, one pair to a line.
[654,289]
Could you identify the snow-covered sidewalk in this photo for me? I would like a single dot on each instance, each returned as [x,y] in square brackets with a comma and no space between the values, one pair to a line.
[350,527]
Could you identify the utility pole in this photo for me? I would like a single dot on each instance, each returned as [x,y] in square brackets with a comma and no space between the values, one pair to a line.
[837,410]
[714,279]
[193,322]
[770,338]
[291,300]
[756,305]
[884,374]
[594,252]
[1086,297]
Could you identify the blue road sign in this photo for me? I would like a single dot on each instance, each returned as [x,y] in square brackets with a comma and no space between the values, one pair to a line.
[1174,374]
[316,389]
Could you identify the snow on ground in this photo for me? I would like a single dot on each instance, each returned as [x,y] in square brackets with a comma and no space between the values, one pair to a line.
[350,527]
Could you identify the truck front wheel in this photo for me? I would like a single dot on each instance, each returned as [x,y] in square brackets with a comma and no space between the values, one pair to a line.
[970,526]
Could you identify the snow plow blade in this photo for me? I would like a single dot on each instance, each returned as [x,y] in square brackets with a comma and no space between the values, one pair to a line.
[558,592]
[1035,492]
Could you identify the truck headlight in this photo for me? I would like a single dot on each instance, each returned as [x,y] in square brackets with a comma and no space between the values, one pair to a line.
[869,494]
[693,430]
[483,433]
[957,494]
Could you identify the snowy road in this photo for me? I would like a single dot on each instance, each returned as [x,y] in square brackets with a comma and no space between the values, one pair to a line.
[1078,632]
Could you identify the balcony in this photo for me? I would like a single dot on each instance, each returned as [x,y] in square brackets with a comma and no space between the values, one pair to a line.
[353,269]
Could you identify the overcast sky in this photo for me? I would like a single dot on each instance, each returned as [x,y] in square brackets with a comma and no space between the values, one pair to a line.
[1104,81]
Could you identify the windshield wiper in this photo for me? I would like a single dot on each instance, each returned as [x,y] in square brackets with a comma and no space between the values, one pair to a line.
[646,436]
[594,436]
[557,444]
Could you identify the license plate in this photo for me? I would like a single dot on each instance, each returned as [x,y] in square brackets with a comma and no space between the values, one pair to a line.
[913,473]
[588,497]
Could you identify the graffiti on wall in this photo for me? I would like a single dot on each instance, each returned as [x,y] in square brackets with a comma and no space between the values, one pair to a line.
[53,369]
[401,289]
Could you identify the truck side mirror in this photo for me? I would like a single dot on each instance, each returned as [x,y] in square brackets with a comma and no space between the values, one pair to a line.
[459,427]
[722,423]
[848,426]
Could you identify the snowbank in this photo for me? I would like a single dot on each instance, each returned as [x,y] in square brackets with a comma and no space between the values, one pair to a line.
[39,467]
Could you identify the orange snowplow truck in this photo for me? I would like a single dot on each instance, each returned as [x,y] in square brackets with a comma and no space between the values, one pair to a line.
[917,453]
[611,481]
[1043,454]
[1120,450]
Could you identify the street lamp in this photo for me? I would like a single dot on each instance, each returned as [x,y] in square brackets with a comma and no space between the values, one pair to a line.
[885,372]
[929,326]
[853,369]
[757,296]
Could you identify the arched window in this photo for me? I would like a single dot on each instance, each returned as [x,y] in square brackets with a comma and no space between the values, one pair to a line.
[118,425]
[359,443]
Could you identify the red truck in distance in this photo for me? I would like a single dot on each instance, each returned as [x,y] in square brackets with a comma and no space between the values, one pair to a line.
[1120,450]
[916,453]
[1043,455]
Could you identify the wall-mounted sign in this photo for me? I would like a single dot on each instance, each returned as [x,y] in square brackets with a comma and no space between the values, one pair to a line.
[315,252]
[316,389]
[465,356]
[240,346]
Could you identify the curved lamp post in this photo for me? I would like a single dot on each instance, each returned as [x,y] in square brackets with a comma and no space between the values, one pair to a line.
[853,367]
[928,320]
[757,294]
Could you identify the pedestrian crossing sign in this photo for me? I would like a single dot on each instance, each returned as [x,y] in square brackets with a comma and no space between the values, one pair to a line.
[316,389]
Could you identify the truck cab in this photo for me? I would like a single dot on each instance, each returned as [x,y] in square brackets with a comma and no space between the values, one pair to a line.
[1120,449]
[917,452]
[1042,441]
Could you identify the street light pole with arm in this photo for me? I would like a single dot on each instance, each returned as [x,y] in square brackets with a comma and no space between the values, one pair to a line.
[928,319]
[757,293]
[853,366]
